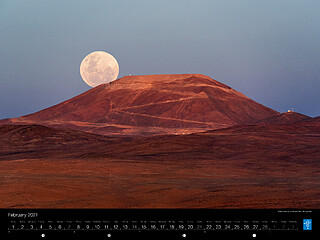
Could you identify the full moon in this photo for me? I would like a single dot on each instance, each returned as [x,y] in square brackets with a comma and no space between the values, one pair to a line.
[99,67]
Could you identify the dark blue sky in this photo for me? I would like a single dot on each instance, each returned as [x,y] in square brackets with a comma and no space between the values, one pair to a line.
[268,50]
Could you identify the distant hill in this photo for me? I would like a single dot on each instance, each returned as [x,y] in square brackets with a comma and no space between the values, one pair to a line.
[284,118]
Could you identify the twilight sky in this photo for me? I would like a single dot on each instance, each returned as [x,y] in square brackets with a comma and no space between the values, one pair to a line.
[268,50]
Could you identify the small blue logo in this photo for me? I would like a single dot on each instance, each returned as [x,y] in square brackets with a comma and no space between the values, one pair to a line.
[307,224]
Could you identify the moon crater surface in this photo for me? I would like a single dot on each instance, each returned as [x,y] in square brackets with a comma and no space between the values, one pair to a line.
[99,67]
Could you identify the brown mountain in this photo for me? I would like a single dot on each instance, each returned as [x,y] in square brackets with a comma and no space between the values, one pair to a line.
[265,161]
[152,104]
[284,118]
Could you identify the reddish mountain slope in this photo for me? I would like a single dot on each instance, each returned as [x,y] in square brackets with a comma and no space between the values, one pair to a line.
[284,118]
[315,120]
[153,104]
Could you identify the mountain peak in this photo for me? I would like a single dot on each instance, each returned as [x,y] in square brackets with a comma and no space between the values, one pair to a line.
[141,81]
[159,78]
[153,104]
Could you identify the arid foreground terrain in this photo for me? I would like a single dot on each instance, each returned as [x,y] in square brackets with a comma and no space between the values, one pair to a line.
[190,144]
[266,166]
